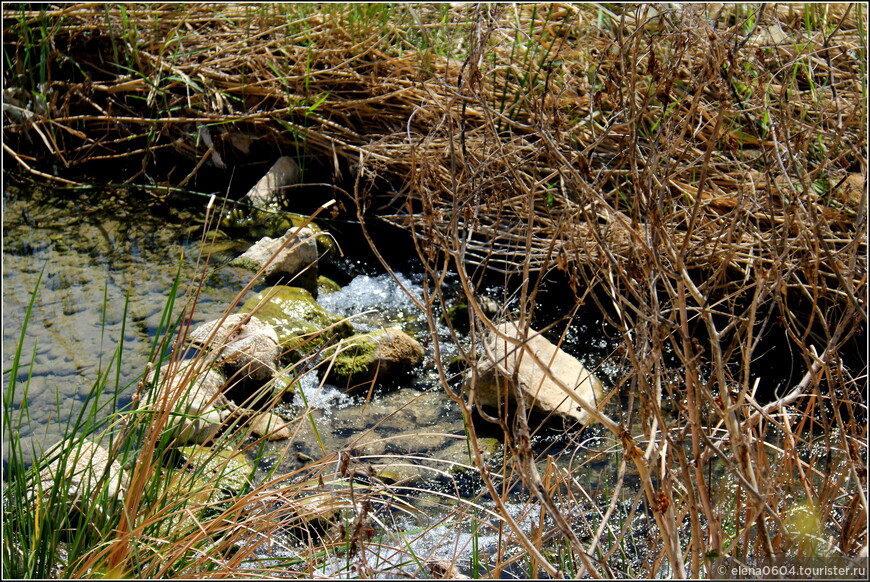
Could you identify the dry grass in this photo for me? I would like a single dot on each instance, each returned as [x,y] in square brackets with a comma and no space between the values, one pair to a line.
[699,175]
[610,128]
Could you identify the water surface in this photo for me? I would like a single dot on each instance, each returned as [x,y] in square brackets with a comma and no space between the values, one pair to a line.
[104,262]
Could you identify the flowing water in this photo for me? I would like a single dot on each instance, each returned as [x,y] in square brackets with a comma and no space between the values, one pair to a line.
[107,260]
[102,263]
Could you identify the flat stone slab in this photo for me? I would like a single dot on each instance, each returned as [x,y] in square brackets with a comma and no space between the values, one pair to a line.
[506,359]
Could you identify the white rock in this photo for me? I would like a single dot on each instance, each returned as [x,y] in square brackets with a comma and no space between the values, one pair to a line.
[506,358]
[271,426]
[241,341]
[195,402]
[289,259]
[265,193]
[87,466]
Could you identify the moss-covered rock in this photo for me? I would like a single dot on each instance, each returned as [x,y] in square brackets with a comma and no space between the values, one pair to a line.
[382,354]
[457,314]
[301,324]
[208,477]
[283,386]
[460,457]
[325,286]
[313,512]
[257,223]
[403,473]
[229,470]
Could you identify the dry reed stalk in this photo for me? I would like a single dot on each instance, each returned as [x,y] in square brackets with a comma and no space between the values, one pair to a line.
[701,175]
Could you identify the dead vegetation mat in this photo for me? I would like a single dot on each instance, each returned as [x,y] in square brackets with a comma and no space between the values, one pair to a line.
[711,154]
[699,171]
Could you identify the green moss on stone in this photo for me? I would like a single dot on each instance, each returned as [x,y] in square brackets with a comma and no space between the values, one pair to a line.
[301,324]
[380,354]
[245,263]
[226,468]
[355,361]
[217,475]
[325,285]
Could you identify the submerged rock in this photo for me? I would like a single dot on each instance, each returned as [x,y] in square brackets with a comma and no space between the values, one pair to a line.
[270,425]
[241,342]
[308,512]
[195,401]
[300,323]
[413,421]
[506,359]
[293,256]
[398,473]
[381,354]
[208,477]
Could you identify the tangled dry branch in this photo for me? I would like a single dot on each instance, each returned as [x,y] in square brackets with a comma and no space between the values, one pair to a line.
[699,172]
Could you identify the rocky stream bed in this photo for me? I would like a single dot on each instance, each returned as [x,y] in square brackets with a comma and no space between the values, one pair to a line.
[354,357]
[323,367]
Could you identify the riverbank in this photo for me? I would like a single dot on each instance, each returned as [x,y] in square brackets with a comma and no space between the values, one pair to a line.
[693,177]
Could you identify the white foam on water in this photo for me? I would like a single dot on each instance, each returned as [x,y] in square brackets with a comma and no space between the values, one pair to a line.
[374,302]
[452,542]
[314,394]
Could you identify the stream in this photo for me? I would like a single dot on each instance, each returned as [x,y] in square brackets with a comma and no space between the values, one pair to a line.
[105,261]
